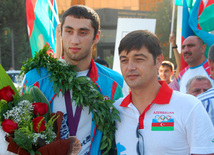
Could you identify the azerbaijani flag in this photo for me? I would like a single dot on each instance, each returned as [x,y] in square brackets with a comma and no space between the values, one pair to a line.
[163,125]
[186,30]
[201,21]
[42,19]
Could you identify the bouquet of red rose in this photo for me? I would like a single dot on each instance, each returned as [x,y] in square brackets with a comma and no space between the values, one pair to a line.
[26,119]
[27,122]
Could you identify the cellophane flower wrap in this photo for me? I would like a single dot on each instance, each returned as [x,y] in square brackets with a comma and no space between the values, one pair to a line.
[26,118]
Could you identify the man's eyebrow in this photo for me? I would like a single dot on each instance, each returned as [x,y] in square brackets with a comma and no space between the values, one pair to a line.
[122,56]
[190,44]
[140,54]
[68,27]
[85,28]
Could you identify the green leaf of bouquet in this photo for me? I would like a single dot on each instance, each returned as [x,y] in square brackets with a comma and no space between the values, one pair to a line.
[40,97]
[32,152]
[3,109]
[23,97]
[5,80]
[21,139]
[103,146]
[37,152]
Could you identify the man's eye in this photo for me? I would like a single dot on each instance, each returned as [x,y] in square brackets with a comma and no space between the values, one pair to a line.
[83,33]
[197,91]
[123,60]
[68,31]
[191,45]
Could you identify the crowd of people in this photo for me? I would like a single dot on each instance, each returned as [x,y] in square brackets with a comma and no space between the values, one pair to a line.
[172,116]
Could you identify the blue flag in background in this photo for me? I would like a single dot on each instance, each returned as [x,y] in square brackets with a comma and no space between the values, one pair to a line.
[197,10]
[188,2]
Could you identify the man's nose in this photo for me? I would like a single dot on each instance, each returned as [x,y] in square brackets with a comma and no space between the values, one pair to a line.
[131,65]
[74,39]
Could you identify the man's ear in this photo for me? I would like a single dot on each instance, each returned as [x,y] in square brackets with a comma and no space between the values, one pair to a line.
[172,73]
[97,37]
[203,47]
[159,60]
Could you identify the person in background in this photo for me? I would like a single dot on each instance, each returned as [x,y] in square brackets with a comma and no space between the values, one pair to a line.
[207,98]
[11,69]
[154,118]
[193,50]
[102,62]
[80,29]
[166,73]
[166,70]
[198,85]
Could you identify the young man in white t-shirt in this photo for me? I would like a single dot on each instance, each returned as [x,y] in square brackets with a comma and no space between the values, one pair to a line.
[154,118]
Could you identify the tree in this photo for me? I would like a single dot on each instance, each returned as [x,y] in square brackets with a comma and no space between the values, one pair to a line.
[13,30]
[163,15]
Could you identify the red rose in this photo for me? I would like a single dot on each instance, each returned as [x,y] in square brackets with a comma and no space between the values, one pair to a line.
[7,93]
[38,124]
[9,126]
[40,108]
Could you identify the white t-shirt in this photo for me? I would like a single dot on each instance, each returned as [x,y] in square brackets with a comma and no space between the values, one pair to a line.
[190,73]
[84,127]
[175,123]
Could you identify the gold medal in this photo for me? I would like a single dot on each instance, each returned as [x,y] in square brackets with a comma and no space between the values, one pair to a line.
[75,146]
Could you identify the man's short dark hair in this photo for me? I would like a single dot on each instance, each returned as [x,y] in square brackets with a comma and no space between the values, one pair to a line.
[211,53]
[82,11]
[135,40]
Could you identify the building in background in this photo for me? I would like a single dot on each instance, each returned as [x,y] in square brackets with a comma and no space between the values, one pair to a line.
[109,11]
[142,5]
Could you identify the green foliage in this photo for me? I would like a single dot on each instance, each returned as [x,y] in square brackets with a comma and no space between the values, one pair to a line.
[3,109]
[13,19]
[50,128]
[84,91]
[60,72]
[163,15]
[22,139]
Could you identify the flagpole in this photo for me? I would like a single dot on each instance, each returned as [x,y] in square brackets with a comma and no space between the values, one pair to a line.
[172,26]
[54,13]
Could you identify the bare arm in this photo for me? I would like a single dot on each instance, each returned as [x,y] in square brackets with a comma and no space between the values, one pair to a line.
[58,52]
[177,55]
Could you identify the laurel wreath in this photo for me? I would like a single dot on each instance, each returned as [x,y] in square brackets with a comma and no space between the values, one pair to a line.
[84,91]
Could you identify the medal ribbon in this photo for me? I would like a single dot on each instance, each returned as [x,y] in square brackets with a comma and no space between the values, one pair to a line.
[73,120]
